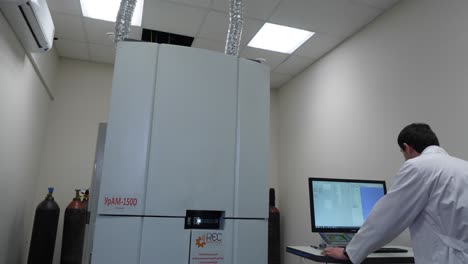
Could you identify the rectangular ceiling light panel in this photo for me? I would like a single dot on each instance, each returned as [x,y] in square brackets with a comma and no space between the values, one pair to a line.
[107,10]
[280,38]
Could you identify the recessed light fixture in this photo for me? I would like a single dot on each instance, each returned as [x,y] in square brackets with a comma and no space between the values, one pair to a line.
[280,38]
[107,10]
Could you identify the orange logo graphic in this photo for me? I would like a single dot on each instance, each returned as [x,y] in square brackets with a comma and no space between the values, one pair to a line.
[200,242]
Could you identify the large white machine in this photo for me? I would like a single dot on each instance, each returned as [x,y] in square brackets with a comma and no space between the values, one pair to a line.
[185,168]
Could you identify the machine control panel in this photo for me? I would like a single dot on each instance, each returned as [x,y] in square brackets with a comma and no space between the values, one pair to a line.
[198,219]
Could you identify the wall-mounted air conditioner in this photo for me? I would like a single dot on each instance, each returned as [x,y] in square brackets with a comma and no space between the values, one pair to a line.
[32,22]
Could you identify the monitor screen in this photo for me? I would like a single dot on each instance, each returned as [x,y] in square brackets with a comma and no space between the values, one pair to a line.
[342,205]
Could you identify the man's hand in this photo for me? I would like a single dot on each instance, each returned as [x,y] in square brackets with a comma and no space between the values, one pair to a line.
[335,252]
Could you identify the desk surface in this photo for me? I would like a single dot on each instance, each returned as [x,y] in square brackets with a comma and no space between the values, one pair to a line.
[374,258]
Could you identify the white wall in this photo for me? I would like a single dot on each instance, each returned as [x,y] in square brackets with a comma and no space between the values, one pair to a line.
[46,67]
[23,119]
[81,103]
[274,139]
[340,118]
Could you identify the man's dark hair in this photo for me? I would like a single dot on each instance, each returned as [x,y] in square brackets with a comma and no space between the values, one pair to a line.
[417,135]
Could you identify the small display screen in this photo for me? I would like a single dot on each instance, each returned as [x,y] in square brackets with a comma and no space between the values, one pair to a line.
[197,219]
[340,205]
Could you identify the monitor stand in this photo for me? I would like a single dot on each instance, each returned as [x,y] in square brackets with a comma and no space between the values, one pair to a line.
[337,239]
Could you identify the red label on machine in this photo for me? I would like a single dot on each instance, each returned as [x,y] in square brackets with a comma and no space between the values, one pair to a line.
[120,201]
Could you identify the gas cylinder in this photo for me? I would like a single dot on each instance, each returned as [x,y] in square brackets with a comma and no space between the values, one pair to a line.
[41,250]
[86,199]
[73,232]
[274,250]
[86,207]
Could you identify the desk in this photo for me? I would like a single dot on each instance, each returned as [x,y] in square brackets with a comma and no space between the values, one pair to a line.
[374,258]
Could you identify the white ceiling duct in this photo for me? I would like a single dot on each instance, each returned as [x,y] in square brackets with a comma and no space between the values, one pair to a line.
[124,19]
[236,22]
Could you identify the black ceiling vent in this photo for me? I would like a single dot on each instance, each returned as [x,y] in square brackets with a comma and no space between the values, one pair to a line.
[166,38]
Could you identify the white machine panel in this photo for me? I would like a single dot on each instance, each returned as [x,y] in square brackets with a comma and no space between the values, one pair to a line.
[250,242]
[164,239]
[192,156]
[117,240]
[253,139]
[127,141]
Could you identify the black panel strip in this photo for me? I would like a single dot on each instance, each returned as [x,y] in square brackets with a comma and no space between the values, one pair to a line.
[245,218]
[149,35]
[166,216]
[148,216]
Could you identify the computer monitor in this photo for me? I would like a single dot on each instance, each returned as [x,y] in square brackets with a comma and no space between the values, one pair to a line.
[342,205]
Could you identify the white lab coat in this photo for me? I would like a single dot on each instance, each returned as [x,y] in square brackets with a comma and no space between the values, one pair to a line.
[430,196]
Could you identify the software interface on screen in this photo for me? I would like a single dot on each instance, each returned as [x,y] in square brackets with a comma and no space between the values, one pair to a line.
[339,204]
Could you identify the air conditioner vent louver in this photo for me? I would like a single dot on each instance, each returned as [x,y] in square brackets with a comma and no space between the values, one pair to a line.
[31,21]
[29,26]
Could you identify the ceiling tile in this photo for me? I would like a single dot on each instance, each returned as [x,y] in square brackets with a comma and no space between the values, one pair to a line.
[97,30]
[318,45]
[383,4]
[72,49]
[294,65]
[278,79]
[199,3]
[172,17]
[258,9]
[209,44]
[272,59]
[68,26]
[216,27]
[207,21]
[65,6]
[335,17]
[102,53]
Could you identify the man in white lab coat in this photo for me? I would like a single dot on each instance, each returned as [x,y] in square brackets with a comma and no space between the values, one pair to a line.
[429,195]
